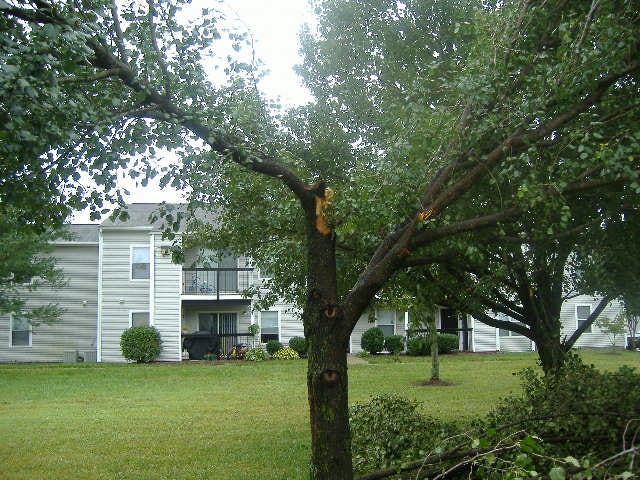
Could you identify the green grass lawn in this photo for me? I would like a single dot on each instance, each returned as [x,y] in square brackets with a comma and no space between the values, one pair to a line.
[202,421]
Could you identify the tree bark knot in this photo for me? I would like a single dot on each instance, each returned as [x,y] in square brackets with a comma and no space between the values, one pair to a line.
[330,376]
[331,311]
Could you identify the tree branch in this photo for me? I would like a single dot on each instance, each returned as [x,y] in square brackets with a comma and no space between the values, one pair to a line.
[568,343]
[429,236]
[119,38]
[221,142]
[587,24]
[114,72]
[154,45]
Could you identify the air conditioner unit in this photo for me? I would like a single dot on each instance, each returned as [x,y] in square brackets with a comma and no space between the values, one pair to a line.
[90,356]
[70,356]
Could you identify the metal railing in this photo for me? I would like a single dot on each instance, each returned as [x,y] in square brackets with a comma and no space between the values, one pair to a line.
[216,281]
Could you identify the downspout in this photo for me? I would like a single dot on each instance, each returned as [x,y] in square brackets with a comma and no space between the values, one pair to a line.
[152,278]
[406,329]
[99,325]
[473,333]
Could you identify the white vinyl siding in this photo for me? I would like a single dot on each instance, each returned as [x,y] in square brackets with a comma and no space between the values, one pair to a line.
[76,329]
[167,286]
[484,338]
[290,322]
[362,325]
[121,294]
[596,337]
[390,322]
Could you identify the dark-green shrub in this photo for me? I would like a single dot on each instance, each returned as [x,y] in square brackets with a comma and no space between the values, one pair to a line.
[373,340]
[577,411]
[299,344]
[273,346]
[447,342]
[418,346]
[421,344]
[141,344]
[394,344]
[390,430]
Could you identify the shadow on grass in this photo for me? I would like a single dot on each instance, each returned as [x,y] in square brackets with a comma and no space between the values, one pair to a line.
[433,383]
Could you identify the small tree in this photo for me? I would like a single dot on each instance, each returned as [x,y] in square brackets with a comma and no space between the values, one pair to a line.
[141,344]
[253,331]
[435,359]
[632,322]
[613,327]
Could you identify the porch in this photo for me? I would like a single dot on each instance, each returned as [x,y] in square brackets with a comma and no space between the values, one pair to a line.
[215,327]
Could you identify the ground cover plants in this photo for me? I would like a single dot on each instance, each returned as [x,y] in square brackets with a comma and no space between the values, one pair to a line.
[197,420]
[579,423]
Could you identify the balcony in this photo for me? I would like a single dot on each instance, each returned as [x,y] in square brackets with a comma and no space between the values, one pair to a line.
[216,282]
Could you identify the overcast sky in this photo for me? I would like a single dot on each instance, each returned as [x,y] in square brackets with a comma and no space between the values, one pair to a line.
[275,25]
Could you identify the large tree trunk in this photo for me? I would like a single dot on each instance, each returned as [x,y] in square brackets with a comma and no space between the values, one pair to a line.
[551,351]
[327,334]
[552,356]
[328,403]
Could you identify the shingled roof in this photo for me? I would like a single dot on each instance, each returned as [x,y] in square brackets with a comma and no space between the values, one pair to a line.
[148,215]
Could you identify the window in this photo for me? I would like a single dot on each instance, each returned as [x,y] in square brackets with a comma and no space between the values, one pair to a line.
[386,321]
[508,333]
[139,319]
[218,323]
[269,326]
[228,275]
[582,314]
[20,332]
[140,263]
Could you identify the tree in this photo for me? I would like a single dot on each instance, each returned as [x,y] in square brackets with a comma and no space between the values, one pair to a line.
[630,321]
[415,135]
[613,327]
[376,81]
[518,285]
[422,316]
[24,267]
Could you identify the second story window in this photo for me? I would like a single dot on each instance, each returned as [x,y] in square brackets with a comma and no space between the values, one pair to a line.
[140,263]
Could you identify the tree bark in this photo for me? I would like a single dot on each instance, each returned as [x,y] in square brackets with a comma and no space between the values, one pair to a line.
[328,404]
[551,351]
[327,333]
[435,359]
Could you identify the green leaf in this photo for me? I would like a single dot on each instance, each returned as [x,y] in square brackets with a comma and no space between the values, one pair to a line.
[572,461]
[557,473]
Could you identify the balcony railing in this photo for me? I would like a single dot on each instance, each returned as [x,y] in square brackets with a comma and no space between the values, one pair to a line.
[216,281]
